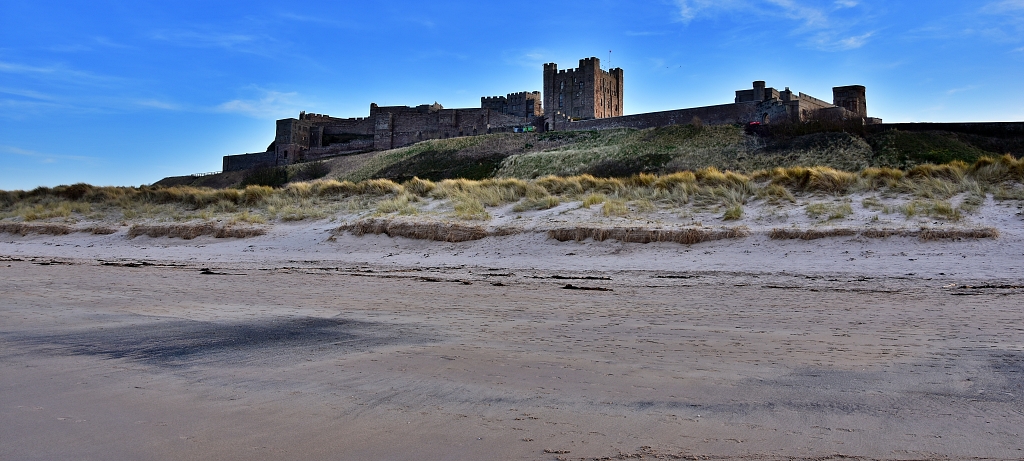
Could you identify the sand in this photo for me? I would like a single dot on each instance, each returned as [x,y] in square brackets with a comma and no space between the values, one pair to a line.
[300,345]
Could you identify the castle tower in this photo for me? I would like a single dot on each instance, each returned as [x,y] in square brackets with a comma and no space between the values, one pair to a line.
[851,98]
[586,92]
[759,90]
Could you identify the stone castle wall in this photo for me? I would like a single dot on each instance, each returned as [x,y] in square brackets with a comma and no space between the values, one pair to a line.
[247,161]
[583,93]
[584,98]
[712,115]
[522,104]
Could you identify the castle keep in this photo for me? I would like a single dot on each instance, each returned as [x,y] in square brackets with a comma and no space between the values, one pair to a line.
[584,93]
[584,98]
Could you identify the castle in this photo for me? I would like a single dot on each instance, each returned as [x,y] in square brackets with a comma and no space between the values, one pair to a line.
[585,98]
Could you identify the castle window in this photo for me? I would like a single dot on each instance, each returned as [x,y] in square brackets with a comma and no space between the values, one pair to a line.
[561,86]
[561,100]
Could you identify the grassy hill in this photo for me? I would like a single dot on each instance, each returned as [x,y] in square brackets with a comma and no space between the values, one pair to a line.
[625,152]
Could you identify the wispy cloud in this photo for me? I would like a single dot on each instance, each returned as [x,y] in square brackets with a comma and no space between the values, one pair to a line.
[267,105]
[30,94]
[827,41]
[688,10]
[104,41]
[158,104]
[237,42]
[57,72]
[962,89]
[90,45]
[813,21]
[531,59]
[319,20]
[71,48]
[1004,6]
[630,33]
[43,156]
[810,17]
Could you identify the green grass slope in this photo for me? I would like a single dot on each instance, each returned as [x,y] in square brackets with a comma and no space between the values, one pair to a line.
[624,152]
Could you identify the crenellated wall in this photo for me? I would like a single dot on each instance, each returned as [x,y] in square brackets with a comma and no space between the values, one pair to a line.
[583,93]
[584,98]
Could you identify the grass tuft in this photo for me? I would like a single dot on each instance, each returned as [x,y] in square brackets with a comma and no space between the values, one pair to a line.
[193,230]
[639,235]
[439,231]
[733,213]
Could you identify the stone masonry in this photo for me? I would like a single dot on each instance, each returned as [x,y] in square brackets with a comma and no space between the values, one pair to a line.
[760,105]
[584,93]
[584,98]
[522,104]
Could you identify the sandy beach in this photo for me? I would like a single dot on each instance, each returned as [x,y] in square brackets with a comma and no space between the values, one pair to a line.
[306,344]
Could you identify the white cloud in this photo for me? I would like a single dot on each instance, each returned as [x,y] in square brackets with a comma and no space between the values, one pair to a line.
[1005,6]
[269,105]
[57,72]
[644,33]
[961,90]
[42,156]
[811,17]
[158,104]
[318,20]
[828,42]
[28,94]
[690,9]
[813,22]
[104,41]
[246,43]
[531,59]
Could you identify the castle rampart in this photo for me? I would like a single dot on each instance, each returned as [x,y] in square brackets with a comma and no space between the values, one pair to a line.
[522,104]
[760,104]
[584,98]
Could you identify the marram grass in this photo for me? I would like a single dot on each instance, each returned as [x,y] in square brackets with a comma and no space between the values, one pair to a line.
[948,192]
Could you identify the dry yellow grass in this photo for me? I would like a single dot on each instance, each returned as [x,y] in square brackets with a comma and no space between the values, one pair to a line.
[809,234]
[640,235]
[25,229]
[923,233]
[192,230]
[51,229]
[925,190]
[438,231]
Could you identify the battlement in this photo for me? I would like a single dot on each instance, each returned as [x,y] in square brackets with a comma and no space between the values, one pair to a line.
[521,104]
[311,117]
[851,98]
[585,92]
[586,97]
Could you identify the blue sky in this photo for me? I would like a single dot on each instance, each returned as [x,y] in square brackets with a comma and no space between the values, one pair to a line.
[125,93]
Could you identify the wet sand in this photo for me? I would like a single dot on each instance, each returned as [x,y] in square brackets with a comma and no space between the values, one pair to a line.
[325,354]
